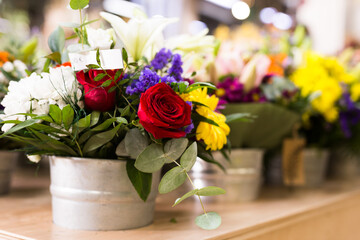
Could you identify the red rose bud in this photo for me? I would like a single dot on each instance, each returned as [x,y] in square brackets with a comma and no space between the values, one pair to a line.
[163,113]
[97,98]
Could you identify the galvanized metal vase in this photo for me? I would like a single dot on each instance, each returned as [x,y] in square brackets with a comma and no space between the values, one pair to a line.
[96,194]
[315,166]
[243,179]
[7,164]
[344,165]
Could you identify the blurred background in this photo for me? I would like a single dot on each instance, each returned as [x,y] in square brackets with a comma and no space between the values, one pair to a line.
[331,24]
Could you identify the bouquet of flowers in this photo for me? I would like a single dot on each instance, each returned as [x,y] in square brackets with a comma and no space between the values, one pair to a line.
[261,89]
[136,107]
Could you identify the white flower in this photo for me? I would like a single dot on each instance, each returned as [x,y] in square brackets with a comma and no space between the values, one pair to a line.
[20,67]
[100,38]
[140,35]
[3,79]
[36,92]
[34,158]
[8,67]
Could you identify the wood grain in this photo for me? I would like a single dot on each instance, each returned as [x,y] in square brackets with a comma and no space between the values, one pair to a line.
[329,213]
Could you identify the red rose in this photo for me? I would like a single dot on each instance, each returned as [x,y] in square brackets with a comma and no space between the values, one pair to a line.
[97,98]
[163,113]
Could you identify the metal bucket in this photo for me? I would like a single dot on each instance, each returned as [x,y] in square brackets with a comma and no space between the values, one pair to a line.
[7,164]
[344,165]
[96,194]
[315,164]
[243,179]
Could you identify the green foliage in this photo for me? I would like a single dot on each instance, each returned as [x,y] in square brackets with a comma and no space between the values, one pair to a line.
[172,180]
[151,159]
[208,221]
[135,142]
[78,4]
[174,148]
[100,139]
[141,181]
[188,159]
[56,40]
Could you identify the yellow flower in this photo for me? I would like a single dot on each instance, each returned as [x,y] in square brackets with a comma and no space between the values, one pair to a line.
[355,92]
[213,136]
[323,75]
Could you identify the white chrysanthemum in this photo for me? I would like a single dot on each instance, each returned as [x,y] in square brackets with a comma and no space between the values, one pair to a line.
[20,67]
[100,38]
[36,92]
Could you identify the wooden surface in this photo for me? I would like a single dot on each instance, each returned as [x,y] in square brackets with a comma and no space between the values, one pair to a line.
[329,213]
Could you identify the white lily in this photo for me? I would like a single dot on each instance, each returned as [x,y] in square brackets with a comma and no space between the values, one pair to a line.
[139,34]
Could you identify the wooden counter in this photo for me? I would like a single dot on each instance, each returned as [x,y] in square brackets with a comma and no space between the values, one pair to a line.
[329,213]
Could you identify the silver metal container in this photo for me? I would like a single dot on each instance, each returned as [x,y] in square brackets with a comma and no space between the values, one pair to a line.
[7,164]
[344,165]
[96,194]
[315,166]
[243,179]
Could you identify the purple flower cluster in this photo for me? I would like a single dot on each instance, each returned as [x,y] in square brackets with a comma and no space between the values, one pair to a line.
[161,59]
[149,77]
[231,90]
[350,117]
[176,67]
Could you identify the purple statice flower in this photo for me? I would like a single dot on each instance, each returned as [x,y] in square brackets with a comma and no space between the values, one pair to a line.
[350,116]
[168,79]
[161,59]
[176,67]
[189,128]
[147,79]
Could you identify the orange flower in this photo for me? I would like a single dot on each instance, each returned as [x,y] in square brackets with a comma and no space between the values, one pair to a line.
[4,57]
[276,67]
[65,64]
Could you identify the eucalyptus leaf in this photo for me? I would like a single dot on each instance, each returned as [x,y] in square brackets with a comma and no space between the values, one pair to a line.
[141,181]
[174,148]
[100,139]
[121,150]
[135,142]
[78,4]
[208,221]
[151,159]
[185,196]
[188,159]
[67,116]
[210,191]
[55,114]
[56,40]
[172,180]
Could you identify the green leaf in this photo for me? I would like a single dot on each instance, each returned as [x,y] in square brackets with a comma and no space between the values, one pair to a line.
[188,159]
[89,22]
[84,122]
[118,75]
[208,221]
[121,150]
[67,116]
[107,83]
[185,196]
[151,159]
[92,66]
[210,191]
[55,56]
[95,116]
[55,114]
[172,180]
[174,148]
[113,88]
[141,181]
[105,125]
[78,4]
[238,117]
[20,126]
[85,136]
[124,56]
[100,139]
[98,57]
[121,120]
[56,40]
[99,76]
[135,142]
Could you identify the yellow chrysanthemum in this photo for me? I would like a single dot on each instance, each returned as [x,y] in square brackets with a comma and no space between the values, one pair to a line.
[322,75]
[213,136]
[355,92]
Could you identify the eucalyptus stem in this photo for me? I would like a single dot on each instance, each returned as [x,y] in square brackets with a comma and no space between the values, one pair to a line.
[192,184]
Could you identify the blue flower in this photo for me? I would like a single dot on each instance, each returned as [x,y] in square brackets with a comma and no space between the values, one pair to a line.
[161,59]
[350,117]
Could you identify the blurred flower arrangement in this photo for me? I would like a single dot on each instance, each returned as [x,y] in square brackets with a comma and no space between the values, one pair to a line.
[146,112]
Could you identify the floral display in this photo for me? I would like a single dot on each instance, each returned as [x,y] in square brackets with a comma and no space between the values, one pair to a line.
[146,112]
